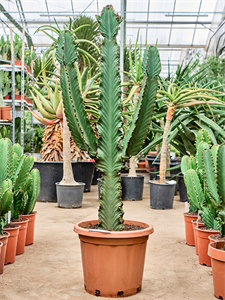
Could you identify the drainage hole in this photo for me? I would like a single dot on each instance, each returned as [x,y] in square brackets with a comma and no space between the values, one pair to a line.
[120,293]
[97,293]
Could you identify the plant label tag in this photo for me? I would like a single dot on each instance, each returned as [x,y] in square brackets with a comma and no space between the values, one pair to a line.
[186,207]
[100,230]
[9,216]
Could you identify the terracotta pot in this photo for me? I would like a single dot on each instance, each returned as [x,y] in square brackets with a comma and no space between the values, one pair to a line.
[190,240]
[203,243]
[1,244]
[7,97]
[216,238]
[4,240]
[22,236]
[6,113]
[194,224]
[12,243]
[30,227]
[141,165]
[113,262]
[218,268]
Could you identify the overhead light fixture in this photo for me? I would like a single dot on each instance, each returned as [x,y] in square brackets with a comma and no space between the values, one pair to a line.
[185,15]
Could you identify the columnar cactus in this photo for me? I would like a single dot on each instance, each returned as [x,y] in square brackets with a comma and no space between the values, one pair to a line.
[205,184]
[6,199]
[111,146]
[16,167]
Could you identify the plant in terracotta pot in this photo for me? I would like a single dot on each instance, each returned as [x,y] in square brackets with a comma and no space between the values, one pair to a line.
[103,271]
[4,91]
[16,166]
[6,199]
[202,189]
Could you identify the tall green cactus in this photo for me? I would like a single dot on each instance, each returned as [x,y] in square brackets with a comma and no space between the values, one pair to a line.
[6,199]
[16,167]
[205,185]
[111,146]
[32,194]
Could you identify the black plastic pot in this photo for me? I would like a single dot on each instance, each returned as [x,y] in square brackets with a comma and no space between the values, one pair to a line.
[152,168]
[182,189]
[52,172]
[70,196]
[97,174]
[161,195]
[132,187]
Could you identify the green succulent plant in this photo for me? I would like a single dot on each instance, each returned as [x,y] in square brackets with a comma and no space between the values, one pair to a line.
[205,183]
[16,167]
[5,85]
[6,199]
[111,146]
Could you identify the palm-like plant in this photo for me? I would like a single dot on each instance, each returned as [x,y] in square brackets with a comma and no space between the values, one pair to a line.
[111,146]
[175,97]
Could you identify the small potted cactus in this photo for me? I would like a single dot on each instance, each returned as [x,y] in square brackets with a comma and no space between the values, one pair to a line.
[6,199]
[5,111]
[115,247]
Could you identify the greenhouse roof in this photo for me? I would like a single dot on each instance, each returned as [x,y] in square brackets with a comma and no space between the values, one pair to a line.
[177,26]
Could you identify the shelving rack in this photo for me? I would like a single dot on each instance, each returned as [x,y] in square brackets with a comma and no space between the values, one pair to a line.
[16,105]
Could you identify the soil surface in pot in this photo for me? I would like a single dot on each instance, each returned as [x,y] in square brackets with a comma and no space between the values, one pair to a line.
[4,234]
[17,220]
[190,214]
[126,227]
[217,237]
[11,226]
[210,229]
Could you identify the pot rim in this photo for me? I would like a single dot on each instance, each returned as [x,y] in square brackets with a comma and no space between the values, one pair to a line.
[29,215]
[80,184]
[163,184]
[216,253]
[213,231]
[148,229]
[132,177]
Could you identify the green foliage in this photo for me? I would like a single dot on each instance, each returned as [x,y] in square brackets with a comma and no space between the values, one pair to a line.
[5,83]
[111,145]
[6,199]
[91,33]
[16,167]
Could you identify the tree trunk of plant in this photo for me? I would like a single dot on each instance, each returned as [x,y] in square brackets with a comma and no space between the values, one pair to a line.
[68,178]
[163,160]
[132,171]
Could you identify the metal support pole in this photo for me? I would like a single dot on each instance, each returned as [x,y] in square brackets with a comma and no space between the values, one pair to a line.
[22,95]
[13,88]
[122,32]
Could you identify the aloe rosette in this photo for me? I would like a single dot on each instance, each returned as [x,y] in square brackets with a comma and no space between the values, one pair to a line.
[111,146]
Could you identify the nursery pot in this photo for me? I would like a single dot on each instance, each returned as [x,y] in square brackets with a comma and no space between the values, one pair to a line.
[70,196]
[113,262]
[30,227]
[52,172]
[13,230]
[4,240]
[161,195]
[194,225]
[132,187]
[203,243]
[96,175]
[182,189]
[22,235]
[6,113]
[188,217]
[218,267]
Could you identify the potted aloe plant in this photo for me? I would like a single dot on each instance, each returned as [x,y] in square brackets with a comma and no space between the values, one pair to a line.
[4,91]
[175,97]
[112,247]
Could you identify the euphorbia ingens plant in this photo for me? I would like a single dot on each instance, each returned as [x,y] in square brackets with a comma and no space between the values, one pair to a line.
[110,146]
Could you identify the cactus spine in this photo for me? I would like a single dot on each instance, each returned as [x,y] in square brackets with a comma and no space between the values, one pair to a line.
[112,146]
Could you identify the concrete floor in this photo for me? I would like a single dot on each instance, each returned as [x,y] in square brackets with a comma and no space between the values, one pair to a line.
[51,268]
